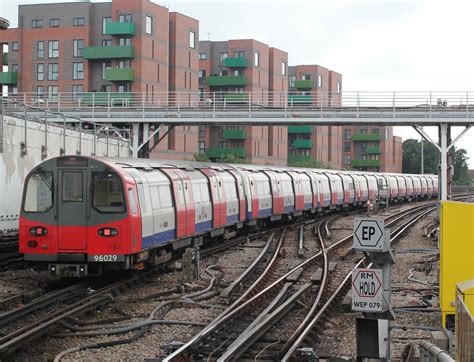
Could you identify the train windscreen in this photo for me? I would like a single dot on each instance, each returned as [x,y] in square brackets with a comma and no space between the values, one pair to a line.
[39,192]
[107,193]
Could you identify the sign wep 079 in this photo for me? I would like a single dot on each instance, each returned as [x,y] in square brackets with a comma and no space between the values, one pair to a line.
[367,290]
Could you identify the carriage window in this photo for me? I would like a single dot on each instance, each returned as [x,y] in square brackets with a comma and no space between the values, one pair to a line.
[205,193]
[165,196]
[133,202]
[107,193]
[196,193]
[141,197]
[39,192]
[72,187]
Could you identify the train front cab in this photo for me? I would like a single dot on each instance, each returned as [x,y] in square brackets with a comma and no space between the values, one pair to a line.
[75,228]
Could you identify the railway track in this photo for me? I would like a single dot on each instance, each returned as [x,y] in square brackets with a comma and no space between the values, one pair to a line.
[239,329]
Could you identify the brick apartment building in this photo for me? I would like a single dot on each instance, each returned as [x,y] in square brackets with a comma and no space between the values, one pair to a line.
[85,49]
[228,71]
[316,86]
[372,149]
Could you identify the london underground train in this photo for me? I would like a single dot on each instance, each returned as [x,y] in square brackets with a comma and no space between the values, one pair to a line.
[88,215]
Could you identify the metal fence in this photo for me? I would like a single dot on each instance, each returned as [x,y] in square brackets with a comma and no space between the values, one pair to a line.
[48,117]
[464,331]
[252,104]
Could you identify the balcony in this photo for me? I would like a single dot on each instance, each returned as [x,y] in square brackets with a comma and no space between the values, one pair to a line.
[298,158]
[9,78]
[119,74]
[112,52]
[223,152]
[5,59]
[299,99]
[236,97]
[234,134]
[235,62]
[122,99]
[304,84]
[373,150]
[300,129]
[120,28]
[226,80]
[365,163]
[366,137]
[302,144]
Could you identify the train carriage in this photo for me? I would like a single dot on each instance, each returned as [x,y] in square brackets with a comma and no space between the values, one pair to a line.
[85,215]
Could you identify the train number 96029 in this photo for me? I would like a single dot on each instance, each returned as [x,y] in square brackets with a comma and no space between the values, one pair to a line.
[104,258]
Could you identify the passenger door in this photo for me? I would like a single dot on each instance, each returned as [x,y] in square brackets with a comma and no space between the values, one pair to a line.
[72,210]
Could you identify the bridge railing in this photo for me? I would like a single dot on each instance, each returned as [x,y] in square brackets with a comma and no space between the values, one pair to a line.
[358,103]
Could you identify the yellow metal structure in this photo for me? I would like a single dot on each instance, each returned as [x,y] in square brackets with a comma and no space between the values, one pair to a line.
[457,251]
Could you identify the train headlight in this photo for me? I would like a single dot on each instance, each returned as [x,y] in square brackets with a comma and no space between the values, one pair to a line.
[38,231]
[108,232]
[32,244]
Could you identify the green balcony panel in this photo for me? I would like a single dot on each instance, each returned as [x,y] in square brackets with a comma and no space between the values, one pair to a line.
[298,158]
[9,78]
[235,62]
[119,74]
[120,28]
[236,97]
[300,129]
[226,80]
[365,163]
[5,59]
[223,152]
[366,137]
[234,134]
[104,99]
[304,84]
[299,99]
[112,52]
[302,143]
[373,149]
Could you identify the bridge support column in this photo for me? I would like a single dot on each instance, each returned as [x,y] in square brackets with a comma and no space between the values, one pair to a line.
[136,135]
[443,147]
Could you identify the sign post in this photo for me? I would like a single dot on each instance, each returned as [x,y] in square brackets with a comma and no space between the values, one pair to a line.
[371,286]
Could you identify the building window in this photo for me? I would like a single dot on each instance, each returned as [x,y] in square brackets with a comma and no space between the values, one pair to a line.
[202,131]
[292,80]
[363,131]
[306,77]
[14,68]
[375,130]
[239,54]
[53,71]
[192,39]
[338,87]
[222,73]
[125,18]
[37,23]
[283,68]
[202,56]
[125,41]
[53,23]
[78,47]
[347,159]
[201,93]
[77,91]
[40,91]
[53,92]
[257,59]
[78,22]
[106,42]
[105,20]
[40,49]
[40,71]
[15,46]
[202,147]
[347,146]
[347,134]
[106,65]
[148,25]
[320,81]
[222,56]
[238,72]
[124,64]
[78,71]
[53,48]
[15,91]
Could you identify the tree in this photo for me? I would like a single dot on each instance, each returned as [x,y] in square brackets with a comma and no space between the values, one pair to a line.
[412,159]
[309,163]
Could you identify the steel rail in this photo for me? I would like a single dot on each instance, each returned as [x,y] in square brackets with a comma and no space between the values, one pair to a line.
[393,238]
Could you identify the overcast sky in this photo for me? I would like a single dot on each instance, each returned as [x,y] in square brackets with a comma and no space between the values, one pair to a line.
[376,45]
